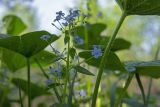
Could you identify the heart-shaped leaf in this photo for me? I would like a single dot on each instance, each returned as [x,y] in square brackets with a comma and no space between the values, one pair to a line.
[140,7]
[91,34]
[28,44]
[113,62]
[36,90]
[150,68]
[14,25]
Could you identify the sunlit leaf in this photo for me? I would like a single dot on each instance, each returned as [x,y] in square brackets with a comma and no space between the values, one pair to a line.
[14,25]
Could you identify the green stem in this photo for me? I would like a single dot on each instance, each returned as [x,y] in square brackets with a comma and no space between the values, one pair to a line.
[124,90]
[104,58]
[67,71]
[141,87]
[29,85]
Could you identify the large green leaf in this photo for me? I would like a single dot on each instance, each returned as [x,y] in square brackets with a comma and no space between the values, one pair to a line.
[28,44]
[14,25]
[150,68]
[91,34]
[140,7]
[113,62]
[36,90]
[15,61]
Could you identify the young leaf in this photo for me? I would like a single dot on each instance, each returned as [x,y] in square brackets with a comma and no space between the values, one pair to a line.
[140,7]
[14,25]
[83,70]
[28,44]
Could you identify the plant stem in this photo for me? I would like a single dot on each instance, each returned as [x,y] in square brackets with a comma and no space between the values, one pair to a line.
[20,95]
[104,58]
[141,88]
[67,71]
[29,85]
[43,71]
[124,90]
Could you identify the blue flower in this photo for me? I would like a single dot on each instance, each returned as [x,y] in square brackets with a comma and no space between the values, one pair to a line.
[78,40]
[59,16]
[57,71]
[45,37]
[97,51]
[48,82]
[60,13]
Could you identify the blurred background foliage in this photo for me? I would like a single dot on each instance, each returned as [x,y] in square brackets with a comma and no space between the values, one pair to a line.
[143,32]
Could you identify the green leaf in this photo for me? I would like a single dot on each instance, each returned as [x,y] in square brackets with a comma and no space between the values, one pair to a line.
[83,70]
[28,44]
[15,61]
[91,34]
[14,25]
[150,68]
[140,7]
[36,90]
[113,62]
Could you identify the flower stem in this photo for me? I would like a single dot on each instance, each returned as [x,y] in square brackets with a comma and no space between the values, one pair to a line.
[141,87]
[29,85]
[124,90]
[104,58]
[67,70]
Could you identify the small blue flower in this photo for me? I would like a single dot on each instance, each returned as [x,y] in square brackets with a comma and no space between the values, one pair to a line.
[78,40]
[99,14]
[97,51]
[48,82]
[59,16]
[45,37]
[57,71]
[60,13]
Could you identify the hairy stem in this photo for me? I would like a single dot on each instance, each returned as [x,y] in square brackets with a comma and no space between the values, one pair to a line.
[104,58]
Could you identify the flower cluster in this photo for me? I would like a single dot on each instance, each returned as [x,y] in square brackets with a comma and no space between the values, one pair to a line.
[56,71]
[97,51]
